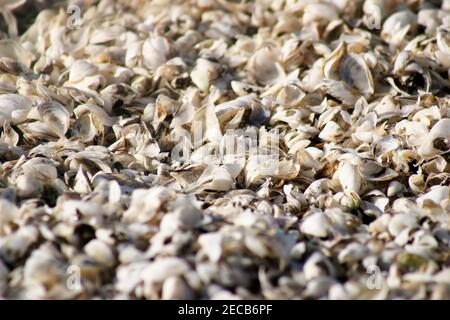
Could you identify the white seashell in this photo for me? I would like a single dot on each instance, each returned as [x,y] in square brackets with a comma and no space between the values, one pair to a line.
[14,108]
[164,268]
[319,12]
[225,150]
[417,183]
[129,276]
[316,266]
[98,112]
[316,225]
[429,19]
[211,244]
[16,245]
[373,171]
[437,195]
[14,50]
[399,222]
[395,188]
[203,73]
[221,180]
[80,70]
[440,130]
[338,292]
[44,268]
[356,73]
[41,169]
[187,214]
[350,180]
[397,26]
[353,253]
[318,287]
[155,52]
[331,132]
[263,67]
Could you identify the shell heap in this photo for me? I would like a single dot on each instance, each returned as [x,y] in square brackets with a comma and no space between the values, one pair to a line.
[93,204]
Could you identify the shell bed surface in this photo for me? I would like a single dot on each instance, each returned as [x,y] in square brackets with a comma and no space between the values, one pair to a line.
[341,189]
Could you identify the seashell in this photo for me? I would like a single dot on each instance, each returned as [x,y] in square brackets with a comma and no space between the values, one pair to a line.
[55,116]
[164,268]
[350,181]
[396,26]
[374,12]
[203,73]
[16,245]
[437,195]
[42,169]
[155,52]
[4,272]
[380,225]
[14,108]
[80,70]
[211,244]
[355,72]
[373,171]
[100,114]
[439,131]
[100,252]
[317,265]
[417,183]
[85,128]
[45,269]
[290,96]
[143,210]
[13,50]
[429,19]
[263,67]
[221,180]
[317,225]
[395,188]
[175,288]
[331,132]
[9,135]
[318,287]
[225,150]
[187,214]
[28,187]
[352,253]
[399,222]
[443,44]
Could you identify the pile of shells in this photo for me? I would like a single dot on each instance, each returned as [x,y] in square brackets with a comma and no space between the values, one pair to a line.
[349,99]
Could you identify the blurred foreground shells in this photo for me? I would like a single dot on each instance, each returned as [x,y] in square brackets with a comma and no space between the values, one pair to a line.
[225,150]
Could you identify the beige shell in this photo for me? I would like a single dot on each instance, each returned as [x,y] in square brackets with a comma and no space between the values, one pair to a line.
[263,67]
[317,225]
[203,73]
[55,116]
[219,149]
